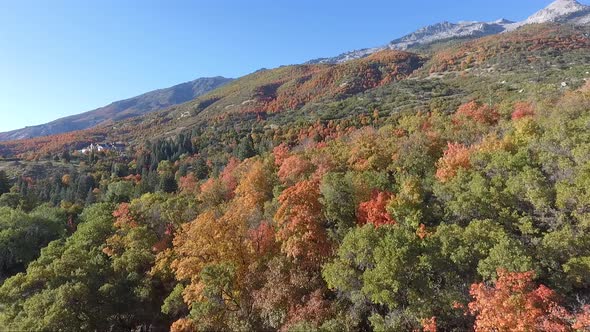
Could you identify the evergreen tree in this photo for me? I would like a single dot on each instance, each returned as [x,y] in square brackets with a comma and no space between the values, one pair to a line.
[201,169]
[66,157]
[183,170]
[246,148]
[90,199]
[168,183]
[4,183]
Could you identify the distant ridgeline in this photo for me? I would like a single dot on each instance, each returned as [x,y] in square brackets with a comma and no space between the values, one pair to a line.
[119,110]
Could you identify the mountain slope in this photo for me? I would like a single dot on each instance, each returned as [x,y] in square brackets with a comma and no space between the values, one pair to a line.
[290,87]
[142,104]
[262,94]
[560,11]
[291,100]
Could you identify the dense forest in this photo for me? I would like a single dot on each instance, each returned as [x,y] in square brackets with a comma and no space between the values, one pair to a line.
[429,193]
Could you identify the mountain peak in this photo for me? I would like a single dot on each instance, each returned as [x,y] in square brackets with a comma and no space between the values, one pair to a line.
[502,21]
[564,2]
[566,6]
[557,11]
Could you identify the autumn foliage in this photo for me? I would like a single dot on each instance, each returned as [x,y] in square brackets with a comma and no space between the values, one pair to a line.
[293,167]
[299,221]
[189,184]
[455,157]
[515,303]
[429,325]
[374,210]
[476,112]
[314,82]
[380,211]
[39,146]
[528,40]
[280,153]
[522,110]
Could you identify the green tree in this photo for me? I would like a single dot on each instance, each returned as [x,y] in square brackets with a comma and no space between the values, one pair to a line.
[338,199]
[22,235]
[4,183]
[168,183]
[398,277]
[245,148]
[74,285]
[118,192]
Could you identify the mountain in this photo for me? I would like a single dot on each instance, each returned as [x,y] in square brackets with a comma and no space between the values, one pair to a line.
[270,93]
[560,11]
[145,103]
[427,35]
[276,201]
[285,102]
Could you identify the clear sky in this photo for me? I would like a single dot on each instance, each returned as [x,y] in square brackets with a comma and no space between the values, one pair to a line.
[60,57]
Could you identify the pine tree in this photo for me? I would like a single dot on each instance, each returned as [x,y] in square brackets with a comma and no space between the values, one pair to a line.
[4,183]
[168,183]
[201,169]
[246,148]
[90,199]
[66,156]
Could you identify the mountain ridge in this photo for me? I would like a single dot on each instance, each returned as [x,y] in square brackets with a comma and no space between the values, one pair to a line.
[559,11]
[142,104]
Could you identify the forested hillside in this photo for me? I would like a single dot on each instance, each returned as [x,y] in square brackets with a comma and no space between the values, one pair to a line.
[441,190]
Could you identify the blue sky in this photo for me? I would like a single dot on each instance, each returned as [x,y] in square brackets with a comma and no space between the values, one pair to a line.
[60,57]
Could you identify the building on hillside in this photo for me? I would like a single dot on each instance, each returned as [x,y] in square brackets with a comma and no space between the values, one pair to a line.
[117,147]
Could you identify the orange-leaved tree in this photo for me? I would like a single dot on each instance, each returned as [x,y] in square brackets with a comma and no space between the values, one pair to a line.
[455,157]
[515,303]
[300,223]
[522,110]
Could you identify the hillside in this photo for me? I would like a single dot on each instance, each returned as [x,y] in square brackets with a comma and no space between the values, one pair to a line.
[568,12]
[390,81]
[264,92]
[119,110]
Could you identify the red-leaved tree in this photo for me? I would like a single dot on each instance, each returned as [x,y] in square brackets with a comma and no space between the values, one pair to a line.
[476,112]
[522,110]
[374,210]
[299,220]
